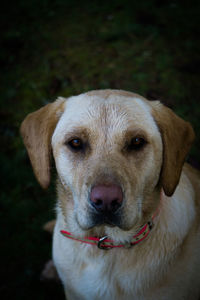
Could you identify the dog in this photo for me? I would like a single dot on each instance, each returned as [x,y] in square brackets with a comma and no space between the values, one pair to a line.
[128,220]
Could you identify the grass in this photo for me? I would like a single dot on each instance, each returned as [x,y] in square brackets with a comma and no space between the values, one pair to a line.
[51,48]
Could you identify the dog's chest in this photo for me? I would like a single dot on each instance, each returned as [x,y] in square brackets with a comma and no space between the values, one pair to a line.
[95,278]
[91,273]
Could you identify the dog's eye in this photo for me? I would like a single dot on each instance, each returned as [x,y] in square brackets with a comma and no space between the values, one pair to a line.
[76,144]
[136,143]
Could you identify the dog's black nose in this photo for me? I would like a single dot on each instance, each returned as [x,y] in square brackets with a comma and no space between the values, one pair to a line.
[106,198]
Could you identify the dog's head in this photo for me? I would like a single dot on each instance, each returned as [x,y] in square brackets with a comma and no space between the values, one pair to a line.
[113,150]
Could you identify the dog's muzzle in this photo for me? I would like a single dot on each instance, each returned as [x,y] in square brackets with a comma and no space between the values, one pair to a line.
[106,201]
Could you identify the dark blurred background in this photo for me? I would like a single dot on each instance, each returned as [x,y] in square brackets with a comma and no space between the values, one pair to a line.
[62,48]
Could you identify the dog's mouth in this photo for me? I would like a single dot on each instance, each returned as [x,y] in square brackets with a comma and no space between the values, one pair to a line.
[95,219]
[106,218]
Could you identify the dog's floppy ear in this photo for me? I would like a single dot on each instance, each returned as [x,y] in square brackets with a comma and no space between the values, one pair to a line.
[36,131]
[177,136]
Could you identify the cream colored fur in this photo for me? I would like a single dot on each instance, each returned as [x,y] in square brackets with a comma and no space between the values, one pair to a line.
[166,265]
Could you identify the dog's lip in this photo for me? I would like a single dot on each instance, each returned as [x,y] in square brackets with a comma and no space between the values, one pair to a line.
[107,223]
[111,220]
[96,223]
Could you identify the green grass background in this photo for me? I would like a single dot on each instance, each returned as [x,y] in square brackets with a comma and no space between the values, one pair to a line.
[64,47]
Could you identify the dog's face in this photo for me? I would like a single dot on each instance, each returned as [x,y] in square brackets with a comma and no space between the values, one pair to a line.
[111,144]
[113,152]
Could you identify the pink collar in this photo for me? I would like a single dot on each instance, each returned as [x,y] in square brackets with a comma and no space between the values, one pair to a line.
[107,244]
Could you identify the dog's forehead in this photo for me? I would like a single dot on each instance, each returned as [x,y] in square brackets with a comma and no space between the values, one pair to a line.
[117,112]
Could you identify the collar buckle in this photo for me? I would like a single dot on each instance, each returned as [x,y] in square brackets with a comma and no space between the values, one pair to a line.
[150,224]
[101,245]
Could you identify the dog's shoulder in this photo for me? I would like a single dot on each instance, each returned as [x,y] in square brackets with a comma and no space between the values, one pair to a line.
[194,176]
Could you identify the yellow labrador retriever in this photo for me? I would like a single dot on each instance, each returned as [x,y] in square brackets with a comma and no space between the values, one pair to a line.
[128,208]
